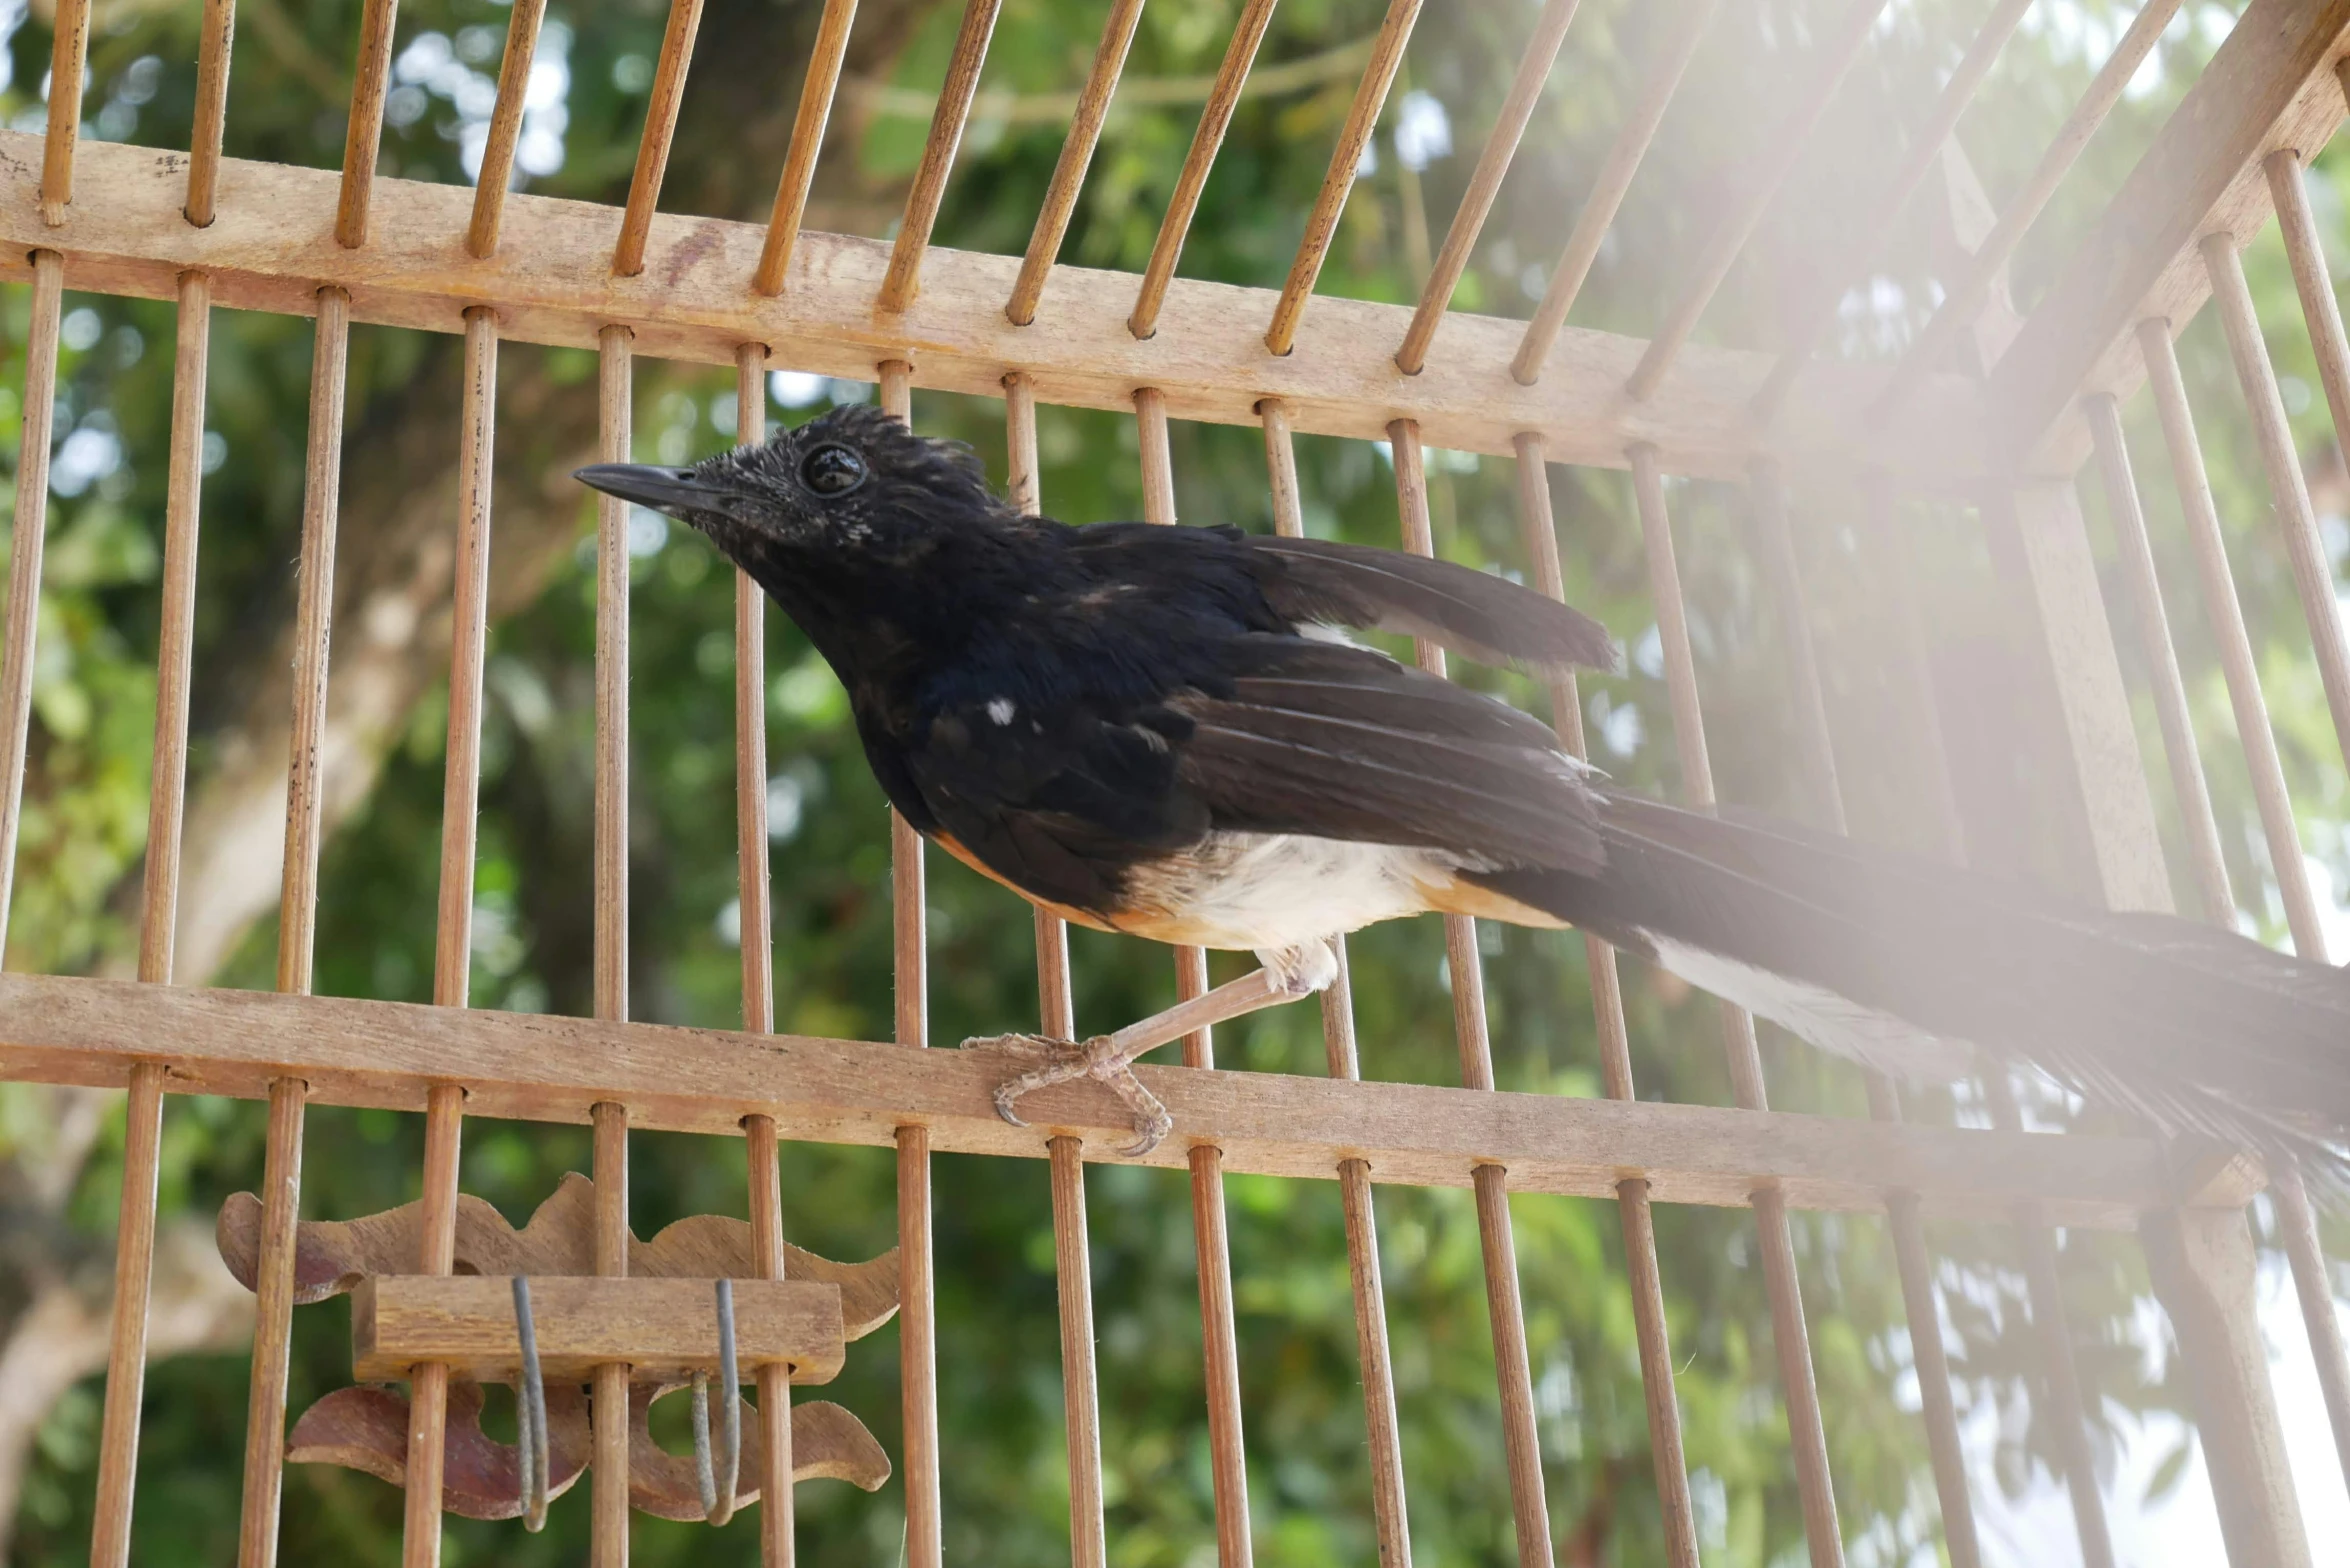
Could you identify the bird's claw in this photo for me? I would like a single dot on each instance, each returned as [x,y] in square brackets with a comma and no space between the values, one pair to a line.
[1063,1061]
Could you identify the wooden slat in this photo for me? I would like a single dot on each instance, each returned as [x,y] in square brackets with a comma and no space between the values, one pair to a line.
[497,154]
[69,53]
[1755,188]
[2262,90]
[58,1029]
[750,732]
[363,135]
[428,1384]
[1390,1520]
[652,148]
[1929,1358]
[614,418]
[1608,188]
[211,114]
[273,1316]
[904,278]
[1060,197]
[1924,151]
[917,1304]
[817,90]
[1807,1437]
[126,1350]
[2313,573]
[608,1536]
[1501,145]
[1215,118]
[269,251]
[1678,1515]
[1521,1444]
[776,1546]
[28,534]
[1362,117]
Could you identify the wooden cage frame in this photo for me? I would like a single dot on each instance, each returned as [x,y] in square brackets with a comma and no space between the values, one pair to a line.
[205,230]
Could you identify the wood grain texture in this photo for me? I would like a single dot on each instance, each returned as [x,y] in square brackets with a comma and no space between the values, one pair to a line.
[1501,145]
[497,154]
[429,1382]
[273,1319]
[69,53]
[608,1496]
[777,1546]
[126,1348]
[270,249]
[1215,118]
[27,537]
[752,890]
[904,278]
[363,133]
[210,121]
[527,1066]
[167,795]
[1362,117]
[2265,88]
[322,480]
[468,651]
[1080,1393]
[615,402]
[652,148]
[817,90]
[1085,129]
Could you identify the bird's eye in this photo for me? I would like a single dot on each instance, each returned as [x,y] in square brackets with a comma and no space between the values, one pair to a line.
[832,471]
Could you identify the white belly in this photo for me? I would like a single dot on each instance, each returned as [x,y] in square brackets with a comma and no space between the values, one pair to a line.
[1268,890]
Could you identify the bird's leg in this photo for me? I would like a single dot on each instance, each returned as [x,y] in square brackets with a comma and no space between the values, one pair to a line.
[1287,974]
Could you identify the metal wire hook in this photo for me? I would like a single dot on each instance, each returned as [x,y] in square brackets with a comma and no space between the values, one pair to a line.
[532,1456]
[717,1498]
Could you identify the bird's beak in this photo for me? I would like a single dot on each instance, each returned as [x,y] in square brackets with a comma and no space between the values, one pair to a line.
[671,491]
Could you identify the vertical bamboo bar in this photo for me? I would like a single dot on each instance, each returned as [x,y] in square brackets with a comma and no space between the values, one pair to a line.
[1452,258]
[273,1294]
[1608,187]
[1215,118]
[1678,1513]
[428,1385]
[1389,1517]
[1226,1454]
[126,1353]
[917,1307]
[652,148]
[1362,117]
[608,1544]
[776,1548]
[904,278]
[363,137]
[807,140]
[1056,1014]
[497,154]
[1520,1442]
[69,54]
[134,1247]
[1807,1437]
[1060,199]
[24,562]
[1929,1356]
[218,33]
[608,1537]
[750,729]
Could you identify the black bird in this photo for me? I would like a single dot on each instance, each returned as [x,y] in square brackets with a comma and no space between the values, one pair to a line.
[1157,730]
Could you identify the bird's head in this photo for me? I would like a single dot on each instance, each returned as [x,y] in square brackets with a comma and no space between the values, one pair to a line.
[852,483]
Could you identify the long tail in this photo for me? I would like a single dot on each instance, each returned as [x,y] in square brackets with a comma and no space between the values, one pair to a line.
[1905,964]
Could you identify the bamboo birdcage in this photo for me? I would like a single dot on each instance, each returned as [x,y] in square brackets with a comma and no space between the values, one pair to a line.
[209,231]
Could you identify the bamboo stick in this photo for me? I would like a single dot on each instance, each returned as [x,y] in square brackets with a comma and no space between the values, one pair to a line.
[817,91]
[428,1385]
[28,536]
[126,1351]
[497,154]
[1060,198]
[1806,1434]
[1215,118]
[217,34]
[652,148]
[69,53]
[1362,117]
[904,278]
[363,137]
[1081,1399]
[608,1539]
[1468,221]
[614,420]
[273,1314]
[776,1547]
[1782,146]
[750,731]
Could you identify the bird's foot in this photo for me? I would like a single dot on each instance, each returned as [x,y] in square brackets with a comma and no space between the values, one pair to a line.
[1063,1061]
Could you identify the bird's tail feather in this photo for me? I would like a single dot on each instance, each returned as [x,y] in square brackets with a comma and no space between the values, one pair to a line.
[1905,963]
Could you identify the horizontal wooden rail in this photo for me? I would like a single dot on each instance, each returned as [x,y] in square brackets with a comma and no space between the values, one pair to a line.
[272,246]
[536,1067]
